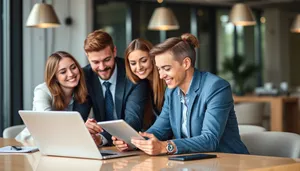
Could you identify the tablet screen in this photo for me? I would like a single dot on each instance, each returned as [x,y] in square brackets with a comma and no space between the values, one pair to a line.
[121,130]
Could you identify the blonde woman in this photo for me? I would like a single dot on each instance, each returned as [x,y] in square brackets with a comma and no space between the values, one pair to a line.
[64,88]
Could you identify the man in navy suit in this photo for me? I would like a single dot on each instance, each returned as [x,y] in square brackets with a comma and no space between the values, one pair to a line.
[111,95]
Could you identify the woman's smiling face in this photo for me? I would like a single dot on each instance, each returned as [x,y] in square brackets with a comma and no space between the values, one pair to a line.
[140,63]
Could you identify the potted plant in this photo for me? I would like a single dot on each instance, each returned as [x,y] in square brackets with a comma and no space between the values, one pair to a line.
[239,72]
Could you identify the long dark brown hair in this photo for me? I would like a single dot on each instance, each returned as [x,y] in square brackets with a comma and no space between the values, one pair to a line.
[158,85]
[80,91]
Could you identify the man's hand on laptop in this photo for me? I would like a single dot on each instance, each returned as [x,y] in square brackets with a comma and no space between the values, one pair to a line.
[97,138]
[92,126]
[120,144]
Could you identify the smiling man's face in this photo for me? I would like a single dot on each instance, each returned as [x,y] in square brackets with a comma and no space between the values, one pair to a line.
[170,70]
[103,62]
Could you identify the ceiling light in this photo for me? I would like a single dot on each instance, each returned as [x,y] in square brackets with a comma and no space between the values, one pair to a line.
[241,15]
[296,25]
[163,19]
[42,15]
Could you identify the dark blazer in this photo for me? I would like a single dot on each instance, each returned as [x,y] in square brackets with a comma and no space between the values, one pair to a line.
[211,121]
[83,109]
[130,98]
[43,101]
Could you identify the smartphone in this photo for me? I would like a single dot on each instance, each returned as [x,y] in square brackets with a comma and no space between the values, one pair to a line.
[193,157]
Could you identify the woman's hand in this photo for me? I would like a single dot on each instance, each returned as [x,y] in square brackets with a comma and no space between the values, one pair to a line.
[120,144]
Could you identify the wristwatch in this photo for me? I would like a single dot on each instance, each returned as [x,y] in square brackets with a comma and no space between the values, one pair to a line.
[170,147]
[100,145]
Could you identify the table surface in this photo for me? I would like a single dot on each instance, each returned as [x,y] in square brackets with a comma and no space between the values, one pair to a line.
[36,162]
[254,98]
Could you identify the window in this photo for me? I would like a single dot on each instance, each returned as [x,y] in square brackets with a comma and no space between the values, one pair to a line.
[237,40]
[1,73]
[111,17]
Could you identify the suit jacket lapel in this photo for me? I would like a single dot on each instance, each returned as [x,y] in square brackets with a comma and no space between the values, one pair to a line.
[178,111]
[120,87]
[193,94]
[98,96]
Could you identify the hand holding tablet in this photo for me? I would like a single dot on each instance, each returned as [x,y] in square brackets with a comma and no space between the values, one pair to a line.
[121,130]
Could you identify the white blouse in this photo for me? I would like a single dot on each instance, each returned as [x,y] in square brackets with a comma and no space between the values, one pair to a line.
[42,101]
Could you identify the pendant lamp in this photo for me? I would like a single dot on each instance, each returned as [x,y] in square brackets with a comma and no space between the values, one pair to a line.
[241,15]
[42,15]
[296,25]
[163,19]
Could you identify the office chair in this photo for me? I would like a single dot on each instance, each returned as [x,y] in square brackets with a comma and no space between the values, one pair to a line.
[244,129]
[13,131]
[279,144]
[249,113]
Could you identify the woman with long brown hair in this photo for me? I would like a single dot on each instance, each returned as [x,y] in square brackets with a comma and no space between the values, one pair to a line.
[140,65]
[64,88]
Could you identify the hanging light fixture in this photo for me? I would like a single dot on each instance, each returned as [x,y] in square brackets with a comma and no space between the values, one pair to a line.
[163,19]
[241,15]
[296,25]
[42,15]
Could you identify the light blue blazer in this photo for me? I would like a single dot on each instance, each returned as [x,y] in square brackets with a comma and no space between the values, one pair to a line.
[211,120]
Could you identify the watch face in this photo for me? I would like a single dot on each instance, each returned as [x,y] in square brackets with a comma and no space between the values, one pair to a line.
[170,147]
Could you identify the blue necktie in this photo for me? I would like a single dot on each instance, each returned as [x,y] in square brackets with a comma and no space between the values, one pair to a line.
[109,103]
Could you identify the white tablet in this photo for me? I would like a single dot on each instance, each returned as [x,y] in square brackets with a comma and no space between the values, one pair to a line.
[120,129]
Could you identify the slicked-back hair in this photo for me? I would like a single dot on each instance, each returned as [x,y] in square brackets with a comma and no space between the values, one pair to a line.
[178,47]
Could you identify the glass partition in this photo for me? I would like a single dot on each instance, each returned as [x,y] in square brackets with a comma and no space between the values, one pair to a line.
[111,17]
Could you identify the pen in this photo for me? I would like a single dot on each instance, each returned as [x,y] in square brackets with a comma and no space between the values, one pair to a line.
[16,148]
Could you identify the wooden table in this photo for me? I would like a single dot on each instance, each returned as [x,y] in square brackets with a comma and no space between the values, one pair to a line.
[280,105]
[230,162]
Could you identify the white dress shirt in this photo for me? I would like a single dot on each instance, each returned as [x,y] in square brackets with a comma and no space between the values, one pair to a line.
[113,81]
[184,101]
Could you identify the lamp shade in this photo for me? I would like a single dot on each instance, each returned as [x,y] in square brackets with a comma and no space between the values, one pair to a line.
[241,15]
[42,15]
[163,19]
[296,25]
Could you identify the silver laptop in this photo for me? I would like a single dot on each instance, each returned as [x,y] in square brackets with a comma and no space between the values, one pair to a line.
[62,133]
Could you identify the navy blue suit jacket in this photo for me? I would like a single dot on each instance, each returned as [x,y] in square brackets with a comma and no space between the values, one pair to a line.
[130,98]
[211,120]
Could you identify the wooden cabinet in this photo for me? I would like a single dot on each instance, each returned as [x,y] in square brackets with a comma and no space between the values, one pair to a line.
[284,110]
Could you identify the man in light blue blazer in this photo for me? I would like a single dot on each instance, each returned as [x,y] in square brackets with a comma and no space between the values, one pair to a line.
[198,109]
